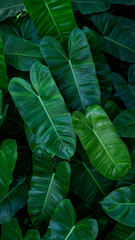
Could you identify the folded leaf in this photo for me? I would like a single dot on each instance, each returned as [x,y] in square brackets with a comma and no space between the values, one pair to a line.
[8,157]
[115,39]
[75,74]
[3,71]
[43,109]
[102,143]
[120,205]
[19,52]
[52,18]
[2,113]
[62,225]
[48,188]
[10,8]
[125,2]
[124,233]
[89,6]
[125,123]
[11,230]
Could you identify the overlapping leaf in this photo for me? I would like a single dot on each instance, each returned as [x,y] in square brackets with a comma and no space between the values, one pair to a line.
[43,109]
[124,233]
[102,143]
[2,113]
[125,2]
[75,75]
[3,71]
[10,8]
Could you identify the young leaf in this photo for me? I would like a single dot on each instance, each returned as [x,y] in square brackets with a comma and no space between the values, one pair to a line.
[10,8]
[88,6]
[11,230]
[52,18]
[8,157]
[43,109]
[75,74]
[124,233]
[19,52]
[125,123]
[62,225]
[3,71]
[2,113]
[48,188]
[102,143]
[121,43]
[120,205]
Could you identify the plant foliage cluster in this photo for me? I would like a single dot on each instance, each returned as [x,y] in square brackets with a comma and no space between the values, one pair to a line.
[67,119]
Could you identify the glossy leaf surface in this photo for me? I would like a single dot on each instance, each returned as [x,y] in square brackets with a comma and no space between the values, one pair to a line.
[3,71]
[43,109]
[10,8]
[102,143]
[75,74]
[62,225]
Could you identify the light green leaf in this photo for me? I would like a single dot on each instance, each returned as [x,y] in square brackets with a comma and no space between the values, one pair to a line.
[19,52]
[63,227]
[75,74]
[52,18]
[124,233]
[48,188]
[2,113]
[102,143]
[125,2]
[3,70]
[115,39]
[120,205]
[89,6]
[8,157]
[43,109]
[10,8]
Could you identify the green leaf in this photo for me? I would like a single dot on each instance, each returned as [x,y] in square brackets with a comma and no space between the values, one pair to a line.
[62,225]
[3,70]
[129,179]
[126,91]
[125,123]
[10,8]
[2,113]
[125,2]
[75,74]
[124,233]
[11,230]
[111,108]
[121,43]
[43,109]
[86,181]
[102,143]
[19,52]
[127,22]
[48,188]
[52,18]
[16,198]
[102,68]
[120,205]
[89,6]
[8,157]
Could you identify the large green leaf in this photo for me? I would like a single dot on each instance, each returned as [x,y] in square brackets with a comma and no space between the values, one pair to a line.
[8,157]
[125,2]
[3,71]
[17,196]
[10,8]
[111,108]
[127,22]
[124,233]
[102,68]
[2,113]
[106,151]
[62,225]
[43,109]
[11,230]
[48,188]
[86,181]
[89,6]
[75,75]
[125,123]
[120,205]
[52,18]
[126,91]
[115,39]
[19,52]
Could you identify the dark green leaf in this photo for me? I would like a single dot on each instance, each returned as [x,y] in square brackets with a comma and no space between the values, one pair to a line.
[120,205]
[111,108]
[62,225]
[43,109]
[10,8]
[127,22]
[2,113]
[102,143]
[75,75]
[125,2]
[129,179]
[48,188]
[124,233]
[3,71]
